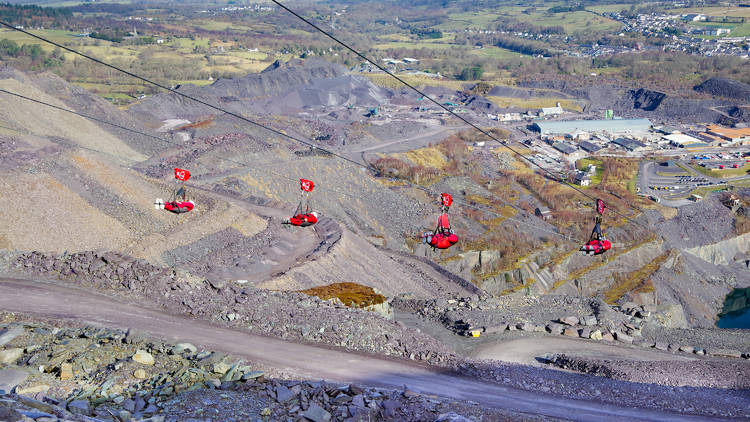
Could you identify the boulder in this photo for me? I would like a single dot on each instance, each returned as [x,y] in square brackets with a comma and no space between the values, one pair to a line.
[589,320]
[555,328]
[608,337]
[570,332]
[671,316]
[140,374]
[9,334]
[686,349]
[221,368]
[10,378]
[585,332]
[10,356]
[620,336]
[181,348]
[316,413]
[283,394]
[143,357]
[526,326]
[79,407]
[596,335]
[66,371]
[660,345]
[569,320]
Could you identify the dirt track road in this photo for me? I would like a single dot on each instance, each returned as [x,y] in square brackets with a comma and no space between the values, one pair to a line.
[55,301]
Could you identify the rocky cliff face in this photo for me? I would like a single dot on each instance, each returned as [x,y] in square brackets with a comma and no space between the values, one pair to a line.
[724,252]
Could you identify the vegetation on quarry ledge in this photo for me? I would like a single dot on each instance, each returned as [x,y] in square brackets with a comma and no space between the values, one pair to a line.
[351,294]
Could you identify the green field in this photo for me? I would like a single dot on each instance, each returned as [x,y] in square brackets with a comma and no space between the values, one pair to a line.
[468,20]
[572,21]
[609,8]
[738,29]
[715,11]
[725,173]
[412,45]
[497,53]
[584,163]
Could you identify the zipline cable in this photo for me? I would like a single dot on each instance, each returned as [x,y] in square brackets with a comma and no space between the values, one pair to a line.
[238,116]
[546,171]
[247,165]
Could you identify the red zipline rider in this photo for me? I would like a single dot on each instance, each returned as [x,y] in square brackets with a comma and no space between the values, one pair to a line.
[597,244]
[303,217]
[443,236]
[177,203]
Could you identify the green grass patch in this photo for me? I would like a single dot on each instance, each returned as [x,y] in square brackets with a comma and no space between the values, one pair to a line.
[497,53]
[468,20]
[572,22]
[722,173]
[584,163]
[413,45]
[505,102]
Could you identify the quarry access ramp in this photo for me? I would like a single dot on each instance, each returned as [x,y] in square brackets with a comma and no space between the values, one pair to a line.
[315,362]
[289,246]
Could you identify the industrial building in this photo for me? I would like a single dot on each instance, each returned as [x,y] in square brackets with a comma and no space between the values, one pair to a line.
[564,148]
[630,144]
[635,127]
[685,141]
[588,147]
[735,136]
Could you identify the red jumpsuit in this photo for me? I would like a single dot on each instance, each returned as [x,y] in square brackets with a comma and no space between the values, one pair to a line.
[303,220]
[443,238]
[179,207]
[596,247]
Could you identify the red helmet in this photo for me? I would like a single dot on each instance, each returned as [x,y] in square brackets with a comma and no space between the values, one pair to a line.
[446,199]
[306,185]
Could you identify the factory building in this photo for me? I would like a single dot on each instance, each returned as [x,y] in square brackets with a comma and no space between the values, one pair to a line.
[633,127]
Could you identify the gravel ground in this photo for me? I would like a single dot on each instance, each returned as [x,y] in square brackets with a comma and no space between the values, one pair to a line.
[96,374]
[704,338]
[724,402]
[732,374]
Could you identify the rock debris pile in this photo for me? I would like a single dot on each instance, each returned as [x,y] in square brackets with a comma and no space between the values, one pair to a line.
[88,373]
[288,315]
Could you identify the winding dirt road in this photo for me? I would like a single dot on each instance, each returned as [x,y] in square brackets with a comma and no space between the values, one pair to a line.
[61,302]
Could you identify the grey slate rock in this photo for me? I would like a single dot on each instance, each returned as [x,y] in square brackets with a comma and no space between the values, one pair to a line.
[79,407]
[283,394]
[11,333]
[10,378]
[316,413]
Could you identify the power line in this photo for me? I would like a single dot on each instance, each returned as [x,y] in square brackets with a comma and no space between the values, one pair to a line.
[243,118]
[549,173]
[247,165]
[182,94]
